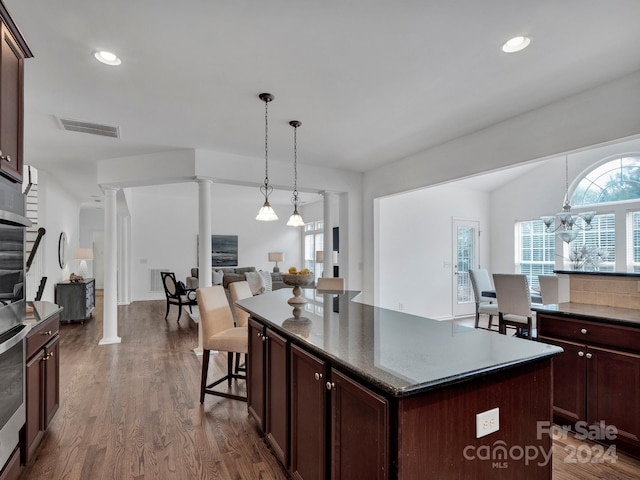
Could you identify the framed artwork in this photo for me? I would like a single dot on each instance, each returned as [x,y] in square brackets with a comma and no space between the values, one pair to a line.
[224,250]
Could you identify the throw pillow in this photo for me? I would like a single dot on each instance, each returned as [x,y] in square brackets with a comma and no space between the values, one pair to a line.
[255,282]
[266,279]
[217,276]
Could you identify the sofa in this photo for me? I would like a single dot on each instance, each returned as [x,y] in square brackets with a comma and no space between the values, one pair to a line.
[226,275]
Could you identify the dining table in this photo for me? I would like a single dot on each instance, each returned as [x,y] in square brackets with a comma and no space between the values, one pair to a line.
[536,297]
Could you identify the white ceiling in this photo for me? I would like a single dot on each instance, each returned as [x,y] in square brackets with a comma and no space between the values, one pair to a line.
[371,80]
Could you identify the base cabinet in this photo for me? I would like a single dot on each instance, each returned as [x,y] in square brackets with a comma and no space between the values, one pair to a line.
[42,383]
[597,378]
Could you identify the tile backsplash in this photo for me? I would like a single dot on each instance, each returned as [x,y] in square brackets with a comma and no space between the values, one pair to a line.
[605,290]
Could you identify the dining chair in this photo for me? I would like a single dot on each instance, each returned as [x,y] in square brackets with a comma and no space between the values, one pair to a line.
[330,285]
[176,293]
[553,289]
[514,300]
[481,282]
[219,334]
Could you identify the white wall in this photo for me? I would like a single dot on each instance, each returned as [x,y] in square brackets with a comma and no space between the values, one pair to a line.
[414,252]
[599,115]
[58,212]
[164,227]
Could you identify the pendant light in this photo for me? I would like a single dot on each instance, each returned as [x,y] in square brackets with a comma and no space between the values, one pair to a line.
[266,213]
[296,219]
[567,227]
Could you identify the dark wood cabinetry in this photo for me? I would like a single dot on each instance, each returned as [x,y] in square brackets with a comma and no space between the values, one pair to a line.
[77,298]
[308,416]
[322,401]
[12,54]
[42,382]
[597,378]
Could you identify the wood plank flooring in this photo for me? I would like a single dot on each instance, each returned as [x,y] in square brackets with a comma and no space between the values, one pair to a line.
[131,411]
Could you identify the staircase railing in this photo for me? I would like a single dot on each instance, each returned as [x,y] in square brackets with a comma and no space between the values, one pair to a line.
[36,243]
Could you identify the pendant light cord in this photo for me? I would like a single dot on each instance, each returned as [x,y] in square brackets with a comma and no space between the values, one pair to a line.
[266,144]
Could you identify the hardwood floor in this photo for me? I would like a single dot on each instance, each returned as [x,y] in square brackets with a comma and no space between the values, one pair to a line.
[131,411]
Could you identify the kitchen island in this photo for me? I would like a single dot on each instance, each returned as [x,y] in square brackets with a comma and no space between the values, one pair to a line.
[345,390]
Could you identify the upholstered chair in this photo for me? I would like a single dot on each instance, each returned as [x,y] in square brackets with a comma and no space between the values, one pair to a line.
[514,300]
[219,334]
[481,282]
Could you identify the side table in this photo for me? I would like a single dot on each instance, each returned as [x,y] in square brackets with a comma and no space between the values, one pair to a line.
[78,299]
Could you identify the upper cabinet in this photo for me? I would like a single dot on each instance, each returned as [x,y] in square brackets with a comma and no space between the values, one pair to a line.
[14,51]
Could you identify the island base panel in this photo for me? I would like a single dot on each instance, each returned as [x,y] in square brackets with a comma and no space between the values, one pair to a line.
[437,430]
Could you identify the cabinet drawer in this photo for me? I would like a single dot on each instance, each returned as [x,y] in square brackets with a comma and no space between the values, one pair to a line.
[590,333]
[41,334]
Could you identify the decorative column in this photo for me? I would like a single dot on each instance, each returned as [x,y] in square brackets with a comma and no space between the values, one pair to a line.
[204,242]
[110,312]
[327,261]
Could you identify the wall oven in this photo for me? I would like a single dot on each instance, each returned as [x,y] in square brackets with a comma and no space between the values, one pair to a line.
[12,316]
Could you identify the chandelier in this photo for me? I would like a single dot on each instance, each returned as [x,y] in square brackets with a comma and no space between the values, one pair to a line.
[564,224]
[266,213]
[296,219]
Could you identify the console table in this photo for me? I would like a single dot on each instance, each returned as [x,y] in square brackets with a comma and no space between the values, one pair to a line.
[77,298]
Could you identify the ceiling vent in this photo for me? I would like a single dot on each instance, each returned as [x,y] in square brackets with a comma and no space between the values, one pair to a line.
[88,127]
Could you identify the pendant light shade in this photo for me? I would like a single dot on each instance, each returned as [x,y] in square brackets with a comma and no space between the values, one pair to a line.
[295,220]
[266,213]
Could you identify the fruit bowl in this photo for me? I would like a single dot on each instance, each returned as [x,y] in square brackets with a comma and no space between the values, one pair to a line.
[297,280]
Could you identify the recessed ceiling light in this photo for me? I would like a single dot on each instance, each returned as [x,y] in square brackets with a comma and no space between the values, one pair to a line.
[107,58]
[516,44]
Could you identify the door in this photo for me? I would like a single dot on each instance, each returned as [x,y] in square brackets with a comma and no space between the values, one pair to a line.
[465,256]
[308,416]
[359,431]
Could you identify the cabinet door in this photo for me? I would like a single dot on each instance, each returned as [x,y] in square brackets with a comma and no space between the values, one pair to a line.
[11,95]
[277,396]
[255,373]
[569,382]
[51,362]
[613,393]
[308,416]
[34,426]
[359,431]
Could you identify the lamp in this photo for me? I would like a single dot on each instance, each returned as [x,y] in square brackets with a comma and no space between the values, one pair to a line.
[567,219]
[266,213]
[83,254]
[276,257]
[295,220]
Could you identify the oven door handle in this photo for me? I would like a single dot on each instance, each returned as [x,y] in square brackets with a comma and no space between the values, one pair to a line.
[14,337]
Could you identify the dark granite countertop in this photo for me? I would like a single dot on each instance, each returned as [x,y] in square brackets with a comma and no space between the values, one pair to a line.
[398,353]
[596,313]
[41,312]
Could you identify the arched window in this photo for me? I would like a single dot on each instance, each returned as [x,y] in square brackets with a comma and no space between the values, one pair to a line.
[614,181]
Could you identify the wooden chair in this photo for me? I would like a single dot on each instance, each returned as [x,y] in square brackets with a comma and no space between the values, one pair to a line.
[176,293]
[330,285]
[481,282]
[219,334]
[514,300]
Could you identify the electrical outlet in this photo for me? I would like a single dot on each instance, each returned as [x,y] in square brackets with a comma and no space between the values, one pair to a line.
[487,422]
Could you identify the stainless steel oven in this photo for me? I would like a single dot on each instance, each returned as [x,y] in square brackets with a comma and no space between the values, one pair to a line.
[12,315]
[12,389]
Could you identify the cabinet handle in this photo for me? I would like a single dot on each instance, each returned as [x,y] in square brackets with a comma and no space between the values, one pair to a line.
[581,353]
[264,338]
[318,376]
[48,332]
[583,331]
[589,355]
[5,157]
[331,385]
